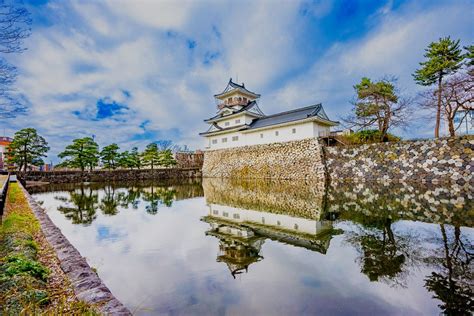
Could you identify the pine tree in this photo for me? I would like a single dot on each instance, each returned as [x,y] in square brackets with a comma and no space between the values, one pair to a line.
[151,156]
[82,153]
[109,156]
[443,58]
[27,148]
[166,158]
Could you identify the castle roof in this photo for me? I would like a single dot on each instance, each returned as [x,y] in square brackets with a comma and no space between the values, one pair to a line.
[293,115]
[313,111]
[231,86]
[250,108]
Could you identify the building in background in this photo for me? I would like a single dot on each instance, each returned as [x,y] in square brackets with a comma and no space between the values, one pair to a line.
[240,122]
[4,143]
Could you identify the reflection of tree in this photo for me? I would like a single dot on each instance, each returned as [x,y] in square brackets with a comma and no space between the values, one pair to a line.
[156,196]
[383,254]
[84,206]
[451,283]
[110,202]
[131,197]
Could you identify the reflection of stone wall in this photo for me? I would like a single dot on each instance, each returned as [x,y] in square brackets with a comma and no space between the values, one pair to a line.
[443,160]
[290,160]
[453,204]
[305,200]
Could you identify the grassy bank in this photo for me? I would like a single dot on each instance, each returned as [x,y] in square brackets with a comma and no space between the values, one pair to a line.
[31,280]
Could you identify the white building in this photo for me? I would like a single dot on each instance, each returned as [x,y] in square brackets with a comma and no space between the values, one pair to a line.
[240,122]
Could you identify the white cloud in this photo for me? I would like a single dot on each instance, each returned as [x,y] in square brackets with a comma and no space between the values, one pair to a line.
[394,47]
[157,51]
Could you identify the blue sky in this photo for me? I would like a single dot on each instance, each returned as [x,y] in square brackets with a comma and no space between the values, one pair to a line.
[133,72]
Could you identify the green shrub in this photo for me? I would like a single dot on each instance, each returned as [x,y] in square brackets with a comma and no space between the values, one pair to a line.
[368,137]
[18,264]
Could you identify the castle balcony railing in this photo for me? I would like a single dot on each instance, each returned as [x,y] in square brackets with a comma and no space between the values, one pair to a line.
[232,103]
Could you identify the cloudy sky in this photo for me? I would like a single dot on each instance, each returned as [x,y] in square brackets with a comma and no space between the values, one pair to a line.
[137,71]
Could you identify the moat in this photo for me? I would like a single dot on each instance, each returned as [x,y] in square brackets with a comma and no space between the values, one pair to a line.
[273,248]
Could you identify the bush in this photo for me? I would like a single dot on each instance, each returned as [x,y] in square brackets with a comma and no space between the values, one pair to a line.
[368,137]
[18,264]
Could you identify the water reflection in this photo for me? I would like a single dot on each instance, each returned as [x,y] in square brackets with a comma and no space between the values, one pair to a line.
[451,280]
[81,205]
[400,241]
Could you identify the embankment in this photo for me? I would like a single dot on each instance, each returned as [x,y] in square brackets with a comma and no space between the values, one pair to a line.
[447,160]
[434,160]
[40,271]
[110,175]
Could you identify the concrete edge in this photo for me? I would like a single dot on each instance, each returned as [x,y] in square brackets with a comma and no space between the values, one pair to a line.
[87,285]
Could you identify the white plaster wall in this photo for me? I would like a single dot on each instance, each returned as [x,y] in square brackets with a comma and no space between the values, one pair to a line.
[244,119]
[320,130]
[285,133]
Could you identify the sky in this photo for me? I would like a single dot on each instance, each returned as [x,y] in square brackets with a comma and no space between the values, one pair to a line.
[137,71]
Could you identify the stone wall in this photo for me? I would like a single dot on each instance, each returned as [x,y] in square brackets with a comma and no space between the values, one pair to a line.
[110,175]
[189,159]
[435,160]
[289,160]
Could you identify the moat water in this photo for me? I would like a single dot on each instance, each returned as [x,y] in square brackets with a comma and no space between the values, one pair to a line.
[273,248]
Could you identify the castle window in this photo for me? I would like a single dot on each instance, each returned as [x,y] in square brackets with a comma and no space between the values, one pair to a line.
[296,226]
[261,135]
[293,130]
[276,133]
[214,141]
[224,140]
[215,212]
[225,214]
[278,223]
[236,216]
[235,138]
[226,123]
[237,121]
[263,220]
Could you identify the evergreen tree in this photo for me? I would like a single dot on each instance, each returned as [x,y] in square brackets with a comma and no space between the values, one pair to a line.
[123,161]
[27,148]
[109,156]
[82,153]
[469,55]
[166,158]
[151,156]
[135,159]
[378,105]
[443,58]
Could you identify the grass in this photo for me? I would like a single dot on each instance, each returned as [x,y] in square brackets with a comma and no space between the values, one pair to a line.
[25,281]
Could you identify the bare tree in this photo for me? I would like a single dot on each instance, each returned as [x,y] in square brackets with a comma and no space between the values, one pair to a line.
[457,96]
[14,28]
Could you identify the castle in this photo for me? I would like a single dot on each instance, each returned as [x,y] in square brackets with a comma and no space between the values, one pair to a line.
[240,122]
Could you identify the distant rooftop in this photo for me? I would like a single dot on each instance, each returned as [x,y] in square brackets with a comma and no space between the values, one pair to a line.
[5,139]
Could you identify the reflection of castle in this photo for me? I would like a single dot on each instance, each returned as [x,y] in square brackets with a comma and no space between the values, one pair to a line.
[239,247]
[242,232]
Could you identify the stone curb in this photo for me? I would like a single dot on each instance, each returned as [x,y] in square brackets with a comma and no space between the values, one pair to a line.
[87,285]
